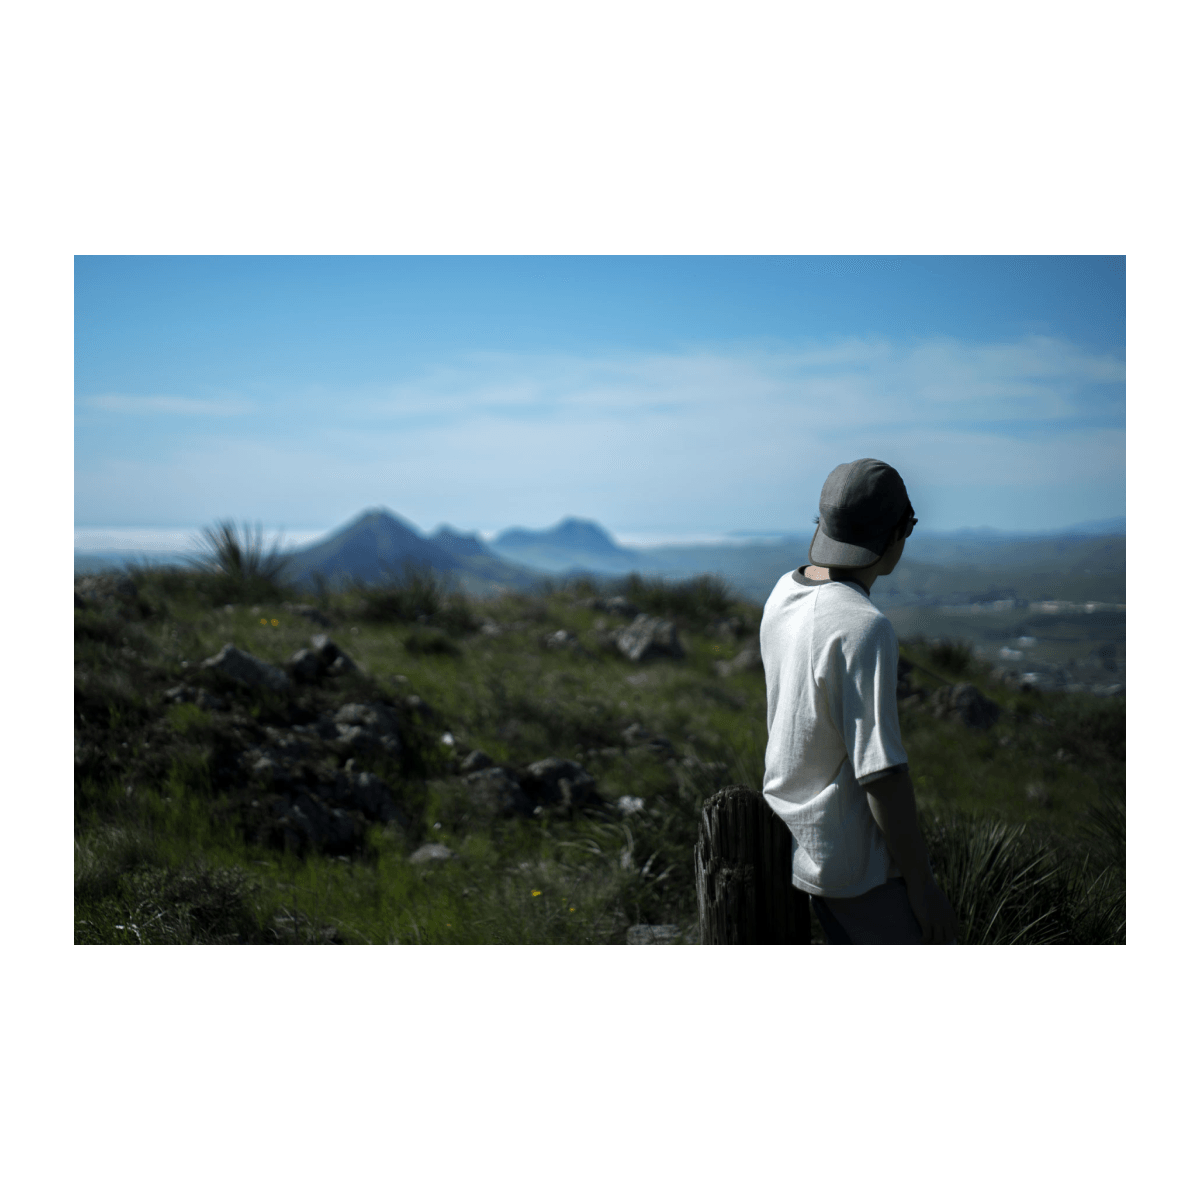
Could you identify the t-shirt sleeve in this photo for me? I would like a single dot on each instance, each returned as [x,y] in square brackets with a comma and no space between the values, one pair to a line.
[870,720]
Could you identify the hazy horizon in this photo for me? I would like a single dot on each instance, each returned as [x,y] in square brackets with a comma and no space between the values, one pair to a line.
[181,540]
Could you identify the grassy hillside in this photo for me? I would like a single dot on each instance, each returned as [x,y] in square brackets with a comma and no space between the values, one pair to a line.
[208,810]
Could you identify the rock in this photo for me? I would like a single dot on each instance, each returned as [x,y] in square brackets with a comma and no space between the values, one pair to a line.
[649,637]
[652,935]
[560,781]
[749,659]
[497,788]
[305,666]
[333,658]
[638,735]
[618,605]
[431,852]
[963,702]
[367,727]
[417,705]
[98,588]
[244,668]
[475,761]
[302,820]
[370,795]
[260,764]
[562,640]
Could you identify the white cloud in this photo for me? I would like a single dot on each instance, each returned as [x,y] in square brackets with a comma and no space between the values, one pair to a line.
[176,406]
[704,440]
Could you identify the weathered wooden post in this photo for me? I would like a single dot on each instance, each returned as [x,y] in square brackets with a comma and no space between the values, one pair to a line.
[744,874]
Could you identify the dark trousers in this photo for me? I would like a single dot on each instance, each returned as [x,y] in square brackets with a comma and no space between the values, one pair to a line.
[880,917]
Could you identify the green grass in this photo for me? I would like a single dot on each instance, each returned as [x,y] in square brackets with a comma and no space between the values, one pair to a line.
[1025,820]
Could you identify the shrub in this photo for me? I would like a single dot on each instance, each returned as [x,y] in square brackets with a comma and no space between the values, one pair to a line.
[429,641]
[698,600]
[1010,887]
[417,595]
[950,655]
[245,569]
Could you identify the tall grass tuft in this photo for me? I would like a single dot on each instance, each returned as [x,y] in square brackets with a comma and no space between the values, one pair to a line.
[1009,887]
[248,569]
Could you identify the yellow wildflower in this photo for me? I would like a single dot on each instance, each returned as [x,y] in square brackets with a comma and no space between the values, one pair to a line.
[274,620]
[262,620]
[535,893]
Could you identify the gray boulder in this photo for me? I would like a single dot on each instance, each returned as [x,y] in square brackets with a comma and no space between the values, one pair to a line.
[431,852]
[497,789]
[564,639]
[306,667]
[477,760]
[367,727]
[750,659]
[560,781]
[334,659]
[244,668]
[649,637]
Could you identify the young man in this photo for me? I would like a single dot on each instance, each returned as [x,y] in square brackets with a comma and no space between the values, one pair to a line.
[836,770]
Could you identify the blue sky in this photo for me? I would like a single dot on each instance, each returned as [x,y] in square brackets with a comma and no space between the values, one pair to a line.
[660,396]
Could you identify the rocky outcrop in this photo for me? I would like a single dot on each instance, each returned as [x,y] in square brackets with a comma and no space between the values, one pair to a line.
[243,668]
[367,727]
[649,637]
[335,660]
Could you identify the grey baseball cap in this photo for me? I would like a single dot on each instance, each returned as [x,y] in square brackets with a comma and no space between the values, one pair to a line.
[861,503]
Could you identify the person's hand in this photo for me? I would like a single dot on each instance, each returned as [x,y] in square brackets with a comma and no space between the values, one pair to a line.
[939,925]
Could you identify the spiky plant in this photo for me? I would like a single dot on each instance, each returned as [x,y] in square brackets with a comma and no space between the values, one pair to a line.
[242,556]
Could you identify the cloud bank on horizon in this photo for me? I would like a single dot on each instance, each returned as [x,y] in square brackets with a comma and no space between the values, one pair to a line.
[1015,432]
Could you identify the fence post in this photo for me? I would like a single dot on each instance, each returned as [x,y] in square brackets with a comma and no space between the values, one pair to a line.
[744,874]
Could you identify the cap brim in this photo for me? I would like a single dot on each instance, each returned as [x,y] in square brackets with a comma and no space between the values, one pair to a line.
[825,552]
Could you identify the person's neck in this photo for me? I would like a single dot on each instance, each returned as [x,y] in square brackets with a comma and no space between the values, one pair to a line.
[863,575]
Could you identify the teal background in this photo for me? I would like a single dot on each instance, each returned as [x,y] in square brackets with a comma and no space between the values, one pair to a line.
[570,1071]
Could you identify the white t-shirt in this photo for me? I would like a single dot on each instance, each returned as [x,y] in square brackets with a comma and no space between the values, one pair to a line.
[830,658]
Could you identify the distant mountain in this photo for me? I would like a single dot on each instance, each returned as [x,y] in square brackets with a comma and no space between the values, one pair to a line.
[571,545]
[378,544]
[462,544]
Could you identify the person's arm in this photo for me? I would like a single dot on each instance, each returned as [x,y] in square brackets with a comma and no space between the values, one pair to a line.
[894,808]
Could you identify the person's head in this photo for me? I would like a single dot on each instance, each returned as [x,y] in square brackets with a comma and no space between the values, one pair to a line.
[865,518]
